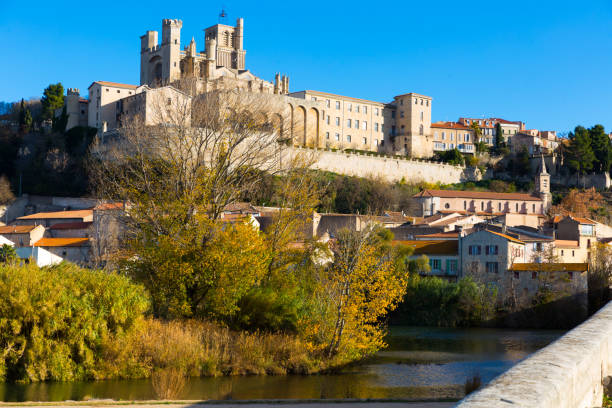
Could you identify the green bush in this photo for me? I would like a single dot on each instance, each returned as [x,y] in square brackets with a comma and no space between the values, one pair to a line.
[53,321]
[431,301]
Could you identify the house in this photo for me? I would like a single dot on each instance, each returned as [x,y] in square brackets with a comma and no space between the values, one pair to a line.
[47,219]
[39,255]
[76,250]
[442,256]
[22,235]
[487,255]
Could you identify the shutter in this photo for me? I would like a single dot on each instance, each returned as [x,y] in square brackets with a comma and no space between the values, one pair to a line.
[448,269]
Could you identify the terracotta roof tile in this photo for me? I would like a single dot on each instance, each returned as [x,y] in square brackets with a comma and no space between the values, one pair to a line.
[62,242]
[446,247]
[486,195]
[508,237]
[550,267]
[58,215]
[114,84]
[16,229]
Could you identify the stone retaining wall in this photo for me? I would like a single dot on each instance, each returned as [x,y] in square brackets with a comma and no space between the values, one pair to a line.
[391,169]
[568,373]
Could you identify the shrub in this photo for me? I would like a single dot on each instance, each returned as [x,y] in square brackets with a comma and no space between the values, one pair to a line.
[54,320]
[168,383]
[6,195]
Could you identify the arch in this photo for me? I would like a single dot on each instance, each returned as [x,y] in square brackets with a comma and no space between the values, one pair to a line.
[156,71]
[311,124]
[226,38]
[278,125]
[299,125]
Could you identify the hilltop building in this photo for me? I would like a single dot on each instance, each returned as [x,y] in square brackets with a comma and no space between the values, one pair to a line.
[319,119]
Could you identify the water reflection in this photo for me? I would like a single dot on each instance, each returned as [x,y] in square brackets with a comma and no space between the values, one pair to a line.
[419,363]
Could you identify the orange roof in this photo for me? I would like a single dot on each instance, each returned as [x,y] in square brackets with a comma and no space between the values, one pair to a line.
[58,214]
[114,84]
[16,229]
[62,242]
[109,206]
[71,225]
[486,195]
[450,235]
[551,267]
[581,220]
[445,247]
[508,237]
[450,125]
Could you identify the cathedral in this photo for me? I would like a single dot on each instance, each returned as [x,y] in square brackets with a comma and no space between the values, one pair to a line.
[220,66]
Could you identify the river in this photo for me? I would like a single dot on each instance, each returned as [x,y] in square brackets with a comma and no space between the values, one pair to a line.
[420,363]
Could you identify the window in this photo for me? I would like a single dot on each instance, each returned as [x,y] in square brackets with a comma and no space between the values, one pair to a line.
[570,275]
[356,124]
[376,111]
[447,206]
[365,140]
[375,127]
[467,137]
[416,101]
[348,123]
[357,108]
[482,206]
[393,114]
[517,210]
[516,275]
[451,267]
[337,104]
[534,275]
[474,250]
[348,138]
[118,91]
[421,116]
[350,107]
[426,103]
[169,101]
[562,253]
[401,101]
[365,110]
[492,267]
[327,135]
[337,121]
[498,206]
[451,135]
[533,208]
[337,136]
[314,98]
[401,114]
[573,253]
[491,249]
[465,205]
[106,89]
[421,130]
[328,119]
[364,125]
[443,136]
[435,264]
[586,229]
[327,103]
[421,102]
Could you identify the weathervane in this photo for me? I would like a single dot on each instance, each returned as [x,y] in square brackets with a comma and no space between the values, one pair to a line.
[223,16]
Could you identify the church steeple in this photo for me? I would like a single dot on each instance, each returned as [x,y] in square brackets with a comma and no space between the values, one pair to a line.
[542,184]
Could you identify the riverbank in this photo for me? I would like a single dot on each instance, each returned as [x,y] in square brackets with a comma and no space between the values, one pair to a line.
[357,403]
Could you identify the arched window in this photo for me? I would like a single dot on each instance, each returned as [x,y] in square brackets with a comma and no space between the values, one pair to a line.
[447,206]
[226,38]
[482,206]
[421,130]
[464,204]
[517,209]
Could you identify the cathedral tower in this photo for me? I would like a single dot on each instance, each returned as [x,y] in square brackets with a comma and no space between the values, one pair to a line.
[229,44]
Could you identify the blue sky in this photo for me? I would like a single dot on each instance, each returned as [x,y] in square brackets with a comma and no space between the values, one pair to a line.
[548,63]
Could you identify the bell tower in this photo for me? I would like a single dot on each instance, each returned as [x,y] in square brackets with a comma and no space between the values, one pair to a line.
[542,185]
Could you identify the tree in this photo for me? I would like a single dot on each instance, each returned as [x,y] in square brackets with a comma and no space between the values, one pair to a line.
[8,254]
[477,131]
[365,283]
[602,149]
[580,203]
[500,147]
[6,195]
[53,98]
[580,152]
[177,179]
[25,117]
[60,122]
[452,156]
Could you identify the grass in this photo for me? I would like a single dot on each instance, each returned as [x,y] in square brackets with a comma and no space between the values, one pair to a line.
[204,349]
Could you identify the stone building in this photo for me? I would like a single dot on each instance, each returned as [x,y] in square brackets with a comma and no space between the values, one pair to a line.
[451,135]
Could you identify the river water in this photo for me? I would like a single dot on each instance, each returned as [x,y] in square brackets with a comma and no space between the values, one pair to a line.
[419,363]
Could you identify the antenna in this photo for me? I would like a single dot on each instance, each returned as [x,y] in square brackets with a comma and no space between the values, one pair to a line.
[223,16]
